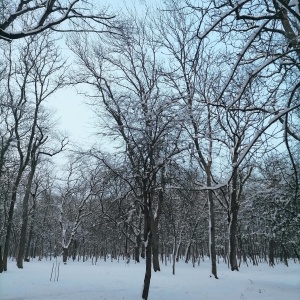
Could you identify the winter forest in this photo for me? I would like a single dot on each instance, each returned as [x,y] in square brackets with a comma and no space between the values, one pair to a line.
[196,152]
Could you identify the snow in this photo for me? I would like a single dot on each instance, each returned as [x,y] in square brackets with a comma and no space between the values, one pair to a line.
[220,18]
[118,280]
[251,39]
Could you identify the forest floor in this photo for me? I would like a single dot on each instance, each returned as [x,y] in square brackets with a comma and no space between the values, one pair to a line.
[118,280]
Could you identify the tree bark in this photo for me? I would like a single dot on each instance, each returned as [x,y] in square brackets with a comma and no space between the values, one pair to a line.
[284,254]
[212,235]
[148,244]
[233,223]
[154,223]
[41,254]
[65,254]
[155,245]
[147,278]
[75,250]
[271,253]
[30,230]
[295,251]
[143,251]
[1,260]
[9,227]
[25,219]
[174,254]
[137,248]
[187,252]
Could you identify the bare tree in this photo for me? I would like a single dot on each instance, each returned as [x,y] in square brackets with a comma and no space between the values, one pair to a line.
[254,84]
[21,18]
[80,188]
[190,78]
[126,75]
[117,201]
[29,84]
[269,213]
[41,188]
[268,51]
[6,137]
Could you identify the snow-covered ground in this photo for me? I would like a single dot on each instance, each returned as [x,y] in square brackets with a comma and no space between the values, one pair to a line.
[116,280]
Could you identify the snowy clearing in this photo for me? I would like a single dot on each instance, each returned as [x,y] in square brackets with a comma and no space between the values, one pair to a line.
[116,280]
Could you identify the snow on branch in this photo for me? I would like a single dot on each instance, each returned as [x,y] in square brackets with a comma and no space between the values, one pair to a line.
[244,153]
[53,14]
[221,18]
[241,55]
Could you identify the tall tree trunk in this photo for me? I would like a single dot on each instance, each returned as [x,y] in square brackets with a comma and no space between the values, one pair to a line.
[25,219]
[174,254]
[284,254]
[2,220]
[147,278]
[143,251]
[212,236]
[233,222]
[65,254]
[75,246]
[155,221]
[178,248]
[148,244]
[30,230]
[41,254]
[188,248]
[155,245]
[187,252]
[271,253]
[1,260]
[295,251]
[126,245]
[9,228]
[211,233]
[11,212]
[137,248]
